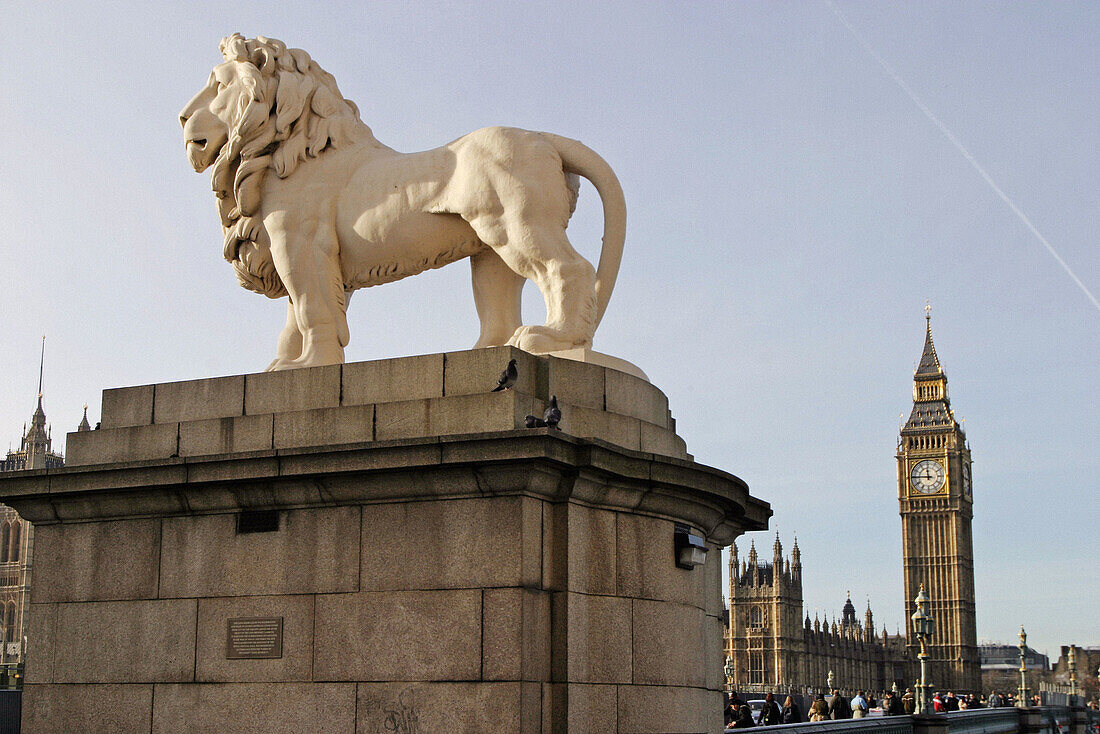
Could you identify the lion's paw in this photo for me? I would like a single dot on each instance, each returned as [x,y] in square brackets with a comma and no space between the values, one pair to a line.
[542,339]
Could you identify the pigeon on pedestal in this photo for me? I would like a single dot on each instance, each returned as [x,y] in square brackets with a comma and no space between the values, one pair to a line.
[507,377]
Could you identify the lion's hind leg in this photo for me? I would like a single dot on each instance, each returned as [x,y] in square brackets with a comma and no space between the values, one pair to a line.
[542,253]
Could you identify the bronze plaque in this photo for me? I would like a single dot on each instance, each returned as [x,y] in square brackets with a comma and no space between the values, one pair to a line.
[254,638]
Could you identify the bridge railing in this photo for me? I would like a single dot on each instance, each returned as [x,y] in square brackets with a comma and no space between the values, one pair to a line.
[1042,720]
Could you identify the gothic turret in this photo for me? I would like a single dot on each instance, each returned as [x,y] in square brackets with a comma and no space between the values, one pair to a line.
[84,425]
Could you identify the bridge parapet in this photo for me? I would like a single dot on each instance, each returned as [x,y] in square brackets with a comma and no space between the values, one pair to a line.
[1040,720]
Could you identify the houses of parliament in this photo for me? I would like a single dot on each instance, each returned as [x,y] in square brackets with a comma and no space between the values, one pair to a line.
[772,644]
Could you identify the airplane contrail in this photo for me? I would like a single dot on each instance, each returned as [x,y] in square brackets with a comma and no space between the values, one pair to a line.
[962,149]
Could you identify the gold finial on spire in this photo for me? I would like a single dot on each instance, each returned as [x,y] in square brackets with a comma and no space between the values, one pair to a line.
[927,310]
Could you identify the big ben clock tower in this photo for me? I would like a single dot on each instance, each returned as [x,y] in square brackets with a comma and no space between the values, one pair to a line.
[937,501]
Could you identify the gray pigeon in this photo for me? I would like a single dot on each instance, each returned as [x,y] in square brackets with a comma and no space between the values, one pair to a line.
[552,416]
[507,377]
[549,419]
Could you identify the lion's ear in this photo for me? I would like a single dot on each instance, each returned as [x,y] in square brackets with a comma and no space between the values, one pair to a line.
[264,60]
[291,99]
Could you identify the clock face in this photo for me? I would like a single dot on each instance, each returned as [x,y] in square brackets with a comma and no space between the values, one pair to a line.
[966,479]
[927,476]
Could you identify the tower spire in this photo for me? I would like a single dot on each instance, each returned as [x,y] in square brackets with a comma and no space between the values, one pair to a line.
[41,363]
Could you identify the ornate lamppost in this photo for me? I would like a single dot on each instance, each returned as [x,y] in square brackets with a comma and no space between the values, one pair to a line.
[1023,695]
[729,673]
[923,628]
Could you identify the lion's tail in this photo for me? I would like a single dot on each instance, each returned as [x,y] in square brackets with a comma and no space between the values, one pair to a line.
[578,158]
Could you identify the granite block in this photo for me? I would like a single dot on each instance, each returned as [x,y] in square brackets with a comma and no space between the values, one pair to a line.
[419,708]
[575,382]
[104,709]
[620,430]
[296,663]
[125,641]
[41,620]
[502,411]
[115,445]
[629,395]
[127,406]
[226,435]
[287,390]
[313,551]
[646,568]
[398,635]
[254,708]
[657,440]
[596,631]
[476,371]
[391,380]
[592,709]
[667,710]
[324,427]
[473,543]
[194,400]
[516,633]
[97,561]
[669,644]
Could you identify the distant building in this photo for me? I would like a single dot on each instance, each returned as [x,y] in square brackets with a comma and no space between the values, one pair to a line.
[1001,666]
[775,647]
[17,535]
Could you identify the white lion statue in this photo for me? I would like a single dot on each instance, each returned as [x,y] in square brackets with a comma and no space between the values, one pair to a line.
[314,207]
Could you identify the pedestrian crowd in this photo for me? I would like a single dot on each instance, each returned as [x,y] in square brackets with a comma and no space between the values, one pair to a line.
[739,714]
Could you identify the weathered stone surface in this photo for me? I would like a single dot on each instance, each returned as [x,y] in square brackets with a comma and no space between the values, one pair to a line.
[516,633]
[398,635]
[127,406]
[645,564]
[114,445]
[596,631]
[591,709]
[620,430]
[255,708]
[300,389]
[629,395]
[714,602]
[668,644]
[391,380]
[657,440]
[125,642]
[476,371]
[714,653]
[42,621]
[114,709]
[575,382]
[502,411]
[97,561]
[193,400]
[314,551]
[226,435]
[442,707]
[324,427]
[579,549]
[430,545]
[296,664]
[668,709]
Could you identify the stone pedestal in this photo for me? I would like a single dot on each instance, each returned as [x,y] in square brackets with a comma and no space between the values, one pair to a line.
[433,566]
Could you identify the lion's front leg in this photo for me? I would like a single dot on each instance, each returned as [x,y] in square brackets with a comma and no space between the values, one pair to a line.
[307,259]
[289,345]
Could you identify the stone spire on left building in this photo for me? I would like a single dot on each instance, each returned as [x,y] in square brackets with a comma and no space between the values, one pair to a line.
[36,449]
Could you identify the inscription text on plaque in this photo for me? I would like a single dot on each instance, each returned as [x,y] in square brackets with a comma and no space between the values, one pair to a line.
[254,638]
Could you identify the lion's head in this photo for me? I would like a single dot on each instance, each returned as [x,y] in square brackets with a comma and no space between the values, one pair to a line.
[266,107]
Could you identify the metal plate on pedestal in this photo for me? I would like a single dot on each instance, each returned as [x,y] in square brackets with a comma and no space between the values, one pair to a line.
[254,638]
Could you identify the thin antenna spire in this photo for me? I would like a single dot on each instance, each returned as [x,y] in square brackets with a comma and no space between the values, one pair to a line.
[41,362]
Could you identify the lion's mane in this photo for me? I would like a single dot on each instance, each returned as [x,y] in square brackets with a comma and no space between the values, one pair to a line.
[290,109]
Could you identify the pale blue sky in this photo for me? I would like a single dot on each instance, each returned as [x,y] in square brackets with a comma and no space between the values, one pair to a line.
[790,209]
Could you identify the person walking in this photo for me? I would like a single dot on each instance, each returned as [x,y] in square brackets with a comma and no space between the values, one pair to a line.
[769,715]
[859,706]
[994,700]
[744,718]
[838,706]
[819,709]
[908,702]
[790,714]
[951,703]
